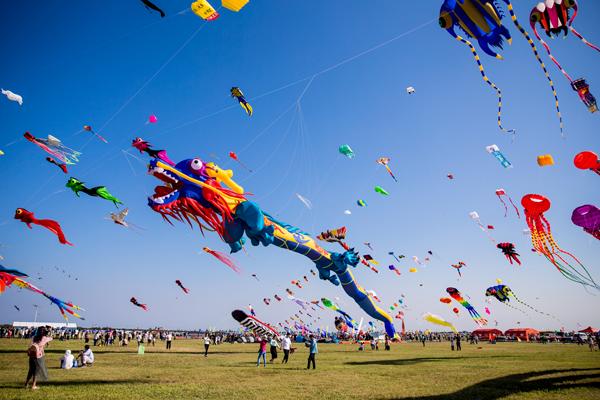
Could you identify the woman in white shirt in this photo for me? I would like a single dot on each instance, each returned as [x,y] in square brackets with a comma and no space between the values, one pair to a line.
[66,362]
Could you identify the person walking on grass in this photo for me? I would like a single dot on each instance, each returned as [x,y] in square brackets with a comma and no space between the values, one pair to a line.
[262,352]
[169,340]
[458,348]
[274,345]
[37,361]
[313,350]
[286,344]
[452,343]
[206,344]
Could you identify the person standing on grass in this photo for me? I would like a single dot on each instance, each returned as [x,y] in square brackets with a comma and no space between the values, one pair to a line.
[37,361]
[206,344]
[286,344]
[591,342]
[387,343]
[313,350]
[452,343]
[423,340]
[274,345]
[262,352]
[169,340]
[458,348]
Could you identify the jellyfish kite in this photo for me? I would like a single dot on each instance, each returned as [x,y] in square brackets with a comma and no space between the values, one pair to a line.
[500,193]
[53,146]
[236,93]
[482,20]
[508,249]
[385,161]
[456,295]
[587,217]
[556,17]
[587,160]
[543,242]
[136,303]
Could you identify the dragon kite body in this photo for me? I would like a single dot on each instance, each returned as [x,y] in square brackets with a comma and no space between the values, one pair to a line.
[193,193]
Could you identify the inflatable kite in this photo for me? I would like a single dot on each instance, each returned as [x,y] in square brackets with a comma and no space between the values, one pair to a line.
[385,161]
[134,301]
[185,290]
[28,218]
[13,277]
[545,160]
[204,10]
[62,166]
[236,93]
[555,17]
[382,191]
[151,6]
[482,20]
[500,193]
[199,195]
[53,146]
[456,295]
[346,150]
[13,96]
[543,242]
[91,130]
[495,151]
[434,319]
[508,249]
[98,191]
[587,217]
[503,293]
[145,147]
[234,5]
[587,160]
[254,324]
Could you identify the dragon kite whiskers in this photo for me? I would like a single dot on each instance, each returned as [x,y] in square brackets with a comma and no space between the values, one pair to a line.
[542,240]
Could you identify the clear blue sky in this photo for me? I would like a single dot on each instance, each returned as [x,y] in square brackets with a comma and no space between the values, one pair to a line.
[79,63]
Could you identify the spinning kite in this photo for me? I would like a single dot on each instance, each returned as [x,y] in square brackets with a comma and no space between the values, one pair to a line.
[91,130]
[185,290]
[134,301]
[62,166]
[28,218]
[223,258]
[145,147]
[535,206]
[587,160]
[500,193]
[587,217]
[200,196]
[98,191]
[456,295]
[482,21]
[508,249]
[13,96]
[54,147]
[385,161]
[555,17]
[151,6]
[237,94]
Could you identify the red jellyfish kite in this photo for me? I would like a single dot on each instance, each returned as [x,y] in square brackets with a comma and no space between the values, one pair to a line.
[543,242]
[587,160]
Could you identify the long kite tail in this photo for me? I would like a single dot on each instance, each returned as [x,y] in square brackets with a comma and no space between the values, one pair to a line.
[513,16]
[534,309]
[55,228]
[593,46]
[488,81]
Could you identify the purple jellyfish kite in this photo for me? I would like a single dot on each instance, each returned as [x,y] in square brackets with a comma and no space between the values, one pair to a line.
[587,217]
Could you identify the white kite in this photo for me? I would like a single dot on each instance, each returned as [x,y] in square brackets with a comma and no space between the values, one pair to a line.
[13,96]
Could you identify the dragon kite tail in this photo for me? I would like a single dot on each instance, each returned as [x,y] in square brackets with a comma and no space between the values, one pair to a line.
[593,46]
[487,80]
[513,16]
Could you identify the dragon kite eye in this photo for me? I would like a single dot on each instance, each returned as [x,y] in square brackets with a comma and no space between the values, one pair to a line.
[445,21]
[196,164]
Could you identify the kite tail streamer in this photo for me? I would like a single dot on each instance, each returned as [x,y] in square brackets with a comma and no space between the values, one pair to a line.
[515,207]
[488,81]
[534,309]
[513,16]
[583,39]
[224,259]
[505,206]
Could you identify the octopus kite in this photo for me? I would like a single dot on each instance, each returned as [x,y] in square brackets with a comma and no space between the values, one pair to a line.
[555,17]
[482,20]
[53,146]
[508,249]
[99,191]
[28,218]
[12,276]
[587,160]
[136,303]
[587,217]
[456,295]
[543,242]
[193,192]
[237,94]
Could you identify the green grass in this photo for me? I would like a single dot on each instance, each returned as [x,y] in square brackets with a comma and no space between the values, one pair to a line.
[409,371]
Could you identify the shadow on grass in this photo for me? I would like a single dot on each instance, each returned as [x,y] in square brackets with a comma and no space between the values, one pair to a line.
[82,383]
[129,351]
[498,388]
[418,360]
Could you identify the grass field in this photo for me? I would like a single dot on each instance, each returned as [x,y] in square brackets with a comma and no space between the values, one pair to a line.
[408,371]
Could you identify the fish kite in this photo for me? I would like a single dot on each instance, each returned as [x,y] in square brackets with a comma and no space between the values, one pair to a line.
[223,258]
[145,147]
[151,6]
[91,130]
[99,191]
[495,151]
[237,94]
[346,150]
[385,161]
[587,160]
[501,192]
[13,96]
[508,249]
[434,319]
[28,218]
[543,242]
[53,146]
[62,166]
[381,191]
[255,325]
[185,290]
[134,301]
[587,217]
[456,295]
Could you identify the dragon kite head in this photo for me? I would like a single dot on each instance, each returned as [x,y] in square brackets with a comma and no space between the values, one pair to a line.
[554,16]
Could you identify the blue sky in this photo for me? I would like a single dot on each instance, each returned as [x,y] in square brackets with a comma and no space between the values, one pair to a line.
[111,64]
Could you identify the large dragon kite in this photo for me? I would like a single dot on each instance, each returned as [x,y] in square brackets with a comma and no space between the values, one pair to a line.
[193,192]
